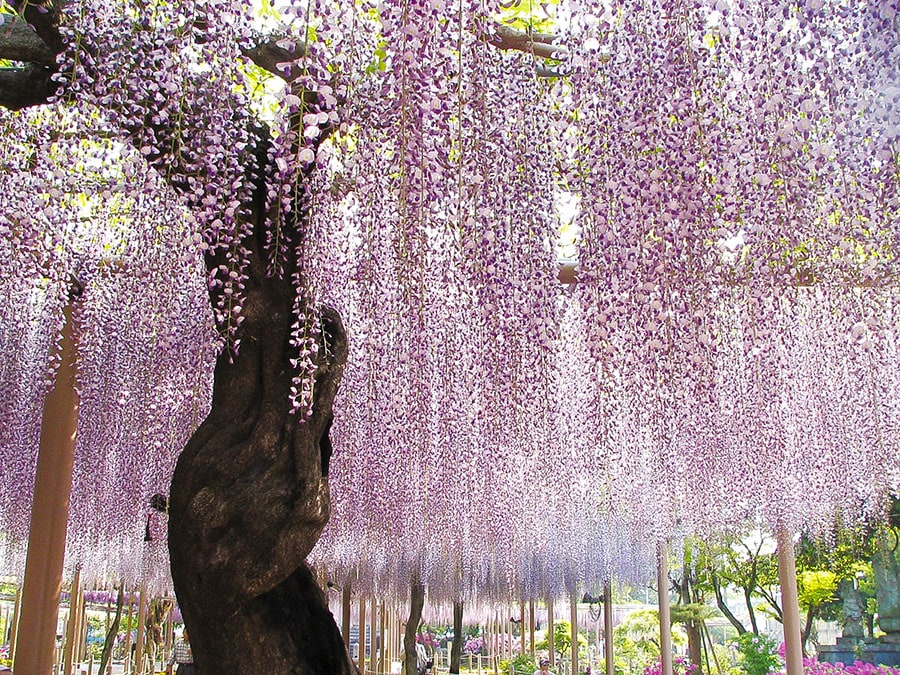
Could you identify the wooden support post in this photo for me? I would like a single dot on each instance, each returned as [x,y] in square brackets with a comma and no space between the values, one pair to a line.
[522,626]
[72,632]
[141,631]
[665,619]
[787,577]
[573,614]
[551,646]
[345,613]
[49,513]
[373,644]
[608,628]
[531,626]
[17,608]
[361,657]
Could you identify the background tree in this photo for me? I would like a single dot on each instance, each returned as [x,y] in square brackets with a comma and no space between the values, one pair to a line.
[747,564]
[636,640]
[459,637]
[562,639]
[690,608]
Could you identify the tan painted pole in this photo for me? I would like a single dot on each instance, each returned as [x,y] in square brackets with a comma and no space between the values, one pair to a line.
[170,638]
[522,627]
[531,625]
[82,627]
[550,631]
[373,645]
[129,626]
[395,635]
[72,626]
[498,632]
[787,576]
[665,617]
[345,614]
[608,629]
[49,513]
[17,608]
[489,640]
[141,630]
[362,634]
[573,605]
[6,622]
[383,650]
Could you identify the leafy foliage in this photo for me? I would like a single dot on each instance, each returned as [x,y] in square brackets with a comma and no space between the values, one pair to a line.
[758,654]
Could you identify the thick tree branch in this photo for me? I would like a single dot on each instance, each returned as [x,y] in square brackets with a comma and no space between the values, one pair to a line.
[542,45]
[275,58]
[19,42]
[26,86]
[723,605]
[44,17]
[31,38]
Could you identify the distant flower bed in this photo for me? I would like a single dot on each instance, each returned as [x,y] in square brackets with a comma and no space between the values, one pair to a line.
[474,645]
[680,666]
[813,666]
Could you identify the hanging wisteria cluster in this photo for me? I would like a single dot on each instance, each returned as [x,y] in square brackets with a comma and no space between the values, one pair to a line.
[727,356]
[88,225]
[451,303]
[738,256]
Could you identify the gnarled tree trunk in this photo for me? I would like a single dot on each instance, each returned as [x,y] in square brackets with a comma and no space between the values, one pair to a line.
[456,649]
[249,498]
[416,604]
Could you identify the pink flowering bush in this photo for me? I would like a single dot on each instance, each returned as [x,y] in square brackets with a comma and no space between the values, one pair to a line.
[680,666]
[474,645]
[813,666]
[429,639]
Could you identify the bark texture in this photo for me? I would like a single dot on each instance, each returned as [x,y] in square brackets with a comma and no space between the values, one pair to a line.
[416,604]
[249,498]
[458,637]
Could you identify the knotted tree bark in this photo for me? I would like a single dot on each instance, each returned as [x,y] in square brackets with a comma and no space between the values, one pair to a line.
[249,498]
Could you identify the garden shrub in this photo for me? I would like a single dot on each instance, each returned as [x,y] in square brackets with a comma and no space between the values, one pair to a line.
[758,654]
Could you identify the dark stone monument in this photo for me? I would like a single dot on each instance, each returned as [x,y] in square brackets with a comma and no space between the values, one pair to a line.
[854,646]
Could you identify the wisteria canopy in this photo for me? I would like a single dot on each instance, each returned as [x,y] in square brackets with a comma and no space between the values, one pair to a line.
[728,354]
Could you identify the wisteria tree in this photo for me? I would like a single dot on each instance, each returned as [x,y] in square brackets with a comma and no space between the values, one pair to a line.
[736,167]
[249,496]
